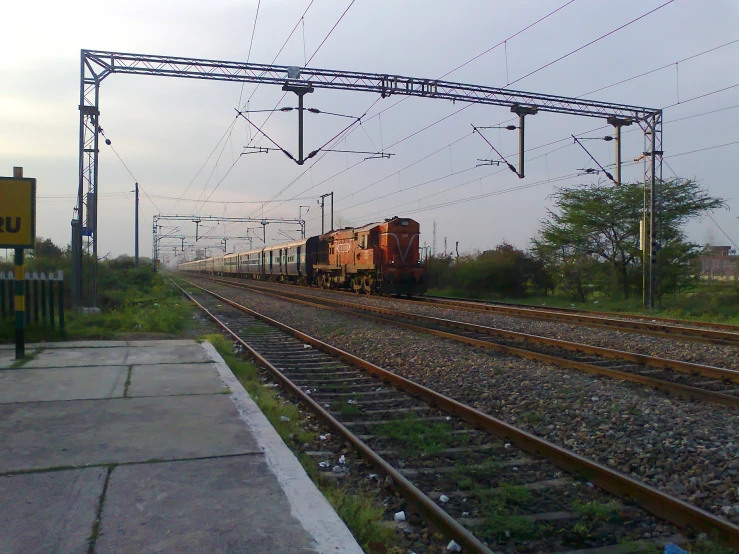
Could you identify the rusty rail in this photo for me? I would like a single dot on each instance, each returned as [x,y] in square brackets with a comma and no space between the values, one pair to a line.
[662,505]
[425,506]
[679,389]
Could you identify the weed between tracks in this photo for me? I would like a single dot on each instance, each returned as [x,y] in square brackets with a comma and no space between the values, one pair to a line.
[361,512]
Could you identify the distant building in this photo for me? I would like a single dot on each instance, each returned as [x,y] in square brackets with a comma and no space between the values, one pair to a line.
[719,263]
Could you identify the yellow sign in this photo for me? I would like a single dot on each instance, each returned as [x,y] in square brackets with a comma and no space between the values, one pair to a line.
[17,213]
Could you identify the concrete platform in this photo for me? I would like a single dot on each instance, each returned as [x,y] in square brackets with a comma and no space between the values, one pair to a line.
[160,440]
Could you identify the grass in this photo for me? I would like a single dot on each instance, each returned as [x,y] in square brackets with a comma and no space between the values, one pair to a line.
[531,418]
[346,409]
[415,434]
[499,523]
[712,303]
[596,511]
[27,358]
[361,512]
[131,300]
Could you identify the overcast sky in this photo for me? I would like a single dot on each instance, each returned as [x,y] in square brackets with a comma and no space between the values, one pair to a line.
[165,129]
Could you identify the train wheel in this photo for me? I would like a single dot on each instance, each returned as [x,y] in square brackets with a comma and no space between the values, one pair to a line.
[358,284]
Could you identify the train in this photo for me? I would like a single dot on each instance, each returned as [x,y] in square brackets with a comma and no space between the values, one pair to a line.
[378,258]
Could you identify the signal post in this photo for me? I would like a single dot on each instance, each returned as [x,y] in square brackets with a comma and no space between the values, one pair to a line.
[18,231]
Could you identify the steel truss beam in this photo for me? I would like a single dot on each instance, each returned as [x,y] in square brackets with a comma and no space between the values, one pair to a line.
[97,65]
[263,221]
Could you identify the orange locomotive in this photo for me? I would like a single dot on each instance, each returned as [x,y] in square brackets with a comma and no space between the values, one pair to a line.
[379,257]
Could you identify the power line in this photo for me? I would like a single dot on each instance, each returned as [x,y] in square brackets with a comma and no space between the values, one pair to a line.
[403,99]
[329,33]
[593,41]
[251,42]
[659,68]
[229,129]
[701,96]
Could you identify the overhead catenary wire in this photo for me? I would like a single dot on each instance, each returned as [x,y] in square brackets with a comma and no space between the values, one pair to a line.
[531,25]
[644,74]
[530,73]
[594,130]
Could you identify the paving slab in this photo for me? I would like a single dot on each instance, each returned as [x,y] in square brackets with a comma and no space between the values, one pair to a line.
[69,357]
[49,512]
[66,383]
[215,505]
[169,379]
[52,434]
[165,353]
[7,357]
[159,342]
[69,344]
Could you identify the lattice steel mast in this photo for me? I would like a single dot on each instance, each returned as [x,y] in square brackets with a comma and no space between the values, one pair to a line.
[97,65]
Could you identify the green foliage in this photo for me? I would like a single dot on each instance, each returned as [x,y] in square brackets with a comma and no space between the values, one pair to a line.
[362,513]
[591,241]
[504,271]
[420,436]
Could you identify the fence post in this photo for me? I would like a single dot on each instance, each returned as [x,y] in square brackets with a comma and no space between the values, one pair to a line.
[35,297]
[3,311]
[20,342]
[44,284]
[61,302]
[51,301]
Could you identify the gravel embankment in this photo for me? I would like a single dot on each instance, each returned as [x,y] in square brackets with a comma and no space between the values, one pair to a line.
[687,449]
[696,352]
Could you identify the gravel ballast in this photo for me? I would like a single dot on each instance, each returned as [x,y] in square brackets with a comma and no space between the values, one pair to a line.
[687,449]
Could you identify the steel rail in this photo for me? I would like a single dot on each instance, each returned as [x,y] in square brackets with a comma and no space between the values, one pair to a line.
[669,508]
[615,315]
[663,385]
[425,506]
[712,336]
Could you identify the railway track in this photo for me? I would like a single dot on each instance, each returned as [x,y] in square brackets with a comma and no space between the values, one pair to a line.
[485,484]
[627,316]
[689,380]
[713,333]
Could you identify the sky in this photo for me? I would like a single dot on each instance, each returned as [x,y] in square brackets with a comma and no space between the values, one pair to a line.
[181,141]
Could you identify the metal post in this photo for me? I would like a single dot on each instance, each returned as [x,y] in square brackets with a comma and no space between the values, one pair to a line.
[618,154]
[332,210]
[154,252]
[300,129]
[617,123]
[300,90]
[652,235]
[44,285]
[136,224]
[51,301]
[521,144]
[522,112]
[20,298]
[20,308]
[322,216]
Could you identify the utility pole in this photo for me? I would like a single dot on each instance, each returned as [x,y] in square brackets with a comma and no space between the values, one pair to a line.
[433,244]
[302,221]
[136,224]
[323,200]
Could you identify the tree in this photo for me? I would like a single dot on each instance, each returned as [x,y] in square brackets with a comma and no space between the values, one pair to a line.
[600,223]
